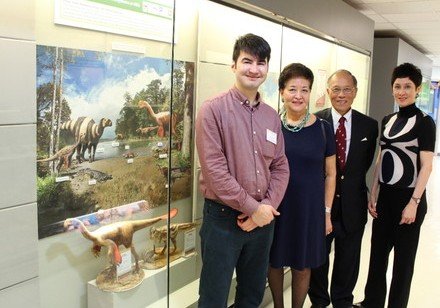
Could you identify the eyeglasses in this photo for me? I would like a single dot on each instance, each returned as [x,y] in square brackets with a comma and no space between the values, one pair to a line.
[344,90]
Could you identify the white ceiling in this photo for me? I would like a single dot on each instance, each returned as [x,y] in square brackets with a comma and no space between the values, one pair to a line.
[415,21]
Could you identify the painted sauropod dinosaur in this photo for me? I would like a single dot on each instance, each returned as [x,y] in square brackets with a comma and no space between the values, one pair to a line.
[160,234]
[115,234]
[162,118]
[64,155]
[92,133]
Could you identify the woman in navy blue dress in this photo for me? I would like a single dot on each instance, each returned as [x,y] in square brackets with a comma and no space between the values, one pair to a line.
[304,221]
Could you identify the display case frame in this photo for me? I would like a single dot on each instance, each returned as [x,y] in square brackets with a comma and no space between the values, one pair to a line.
[201,48]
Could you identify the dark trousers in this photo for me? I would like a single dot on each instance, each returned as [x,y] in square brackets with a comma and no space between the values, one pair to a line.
[386,235]
[226,247]
[345,270]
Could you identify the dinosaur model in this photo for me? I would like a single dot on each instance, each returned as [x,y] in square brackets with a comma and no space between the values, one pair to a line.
[162,119]
[64,155]
[114,235]
[160,234]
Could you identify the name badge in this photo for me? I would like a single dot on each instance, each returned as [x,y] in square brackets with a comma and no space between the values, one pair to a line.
[271,136]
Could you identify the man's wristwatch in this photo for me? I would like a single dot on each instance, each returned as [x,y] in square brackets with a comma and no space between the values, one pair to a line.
[416,200]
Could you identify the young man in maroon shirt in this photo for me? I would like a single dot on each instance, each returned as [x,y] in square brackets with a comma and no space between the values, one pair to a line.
[244,177]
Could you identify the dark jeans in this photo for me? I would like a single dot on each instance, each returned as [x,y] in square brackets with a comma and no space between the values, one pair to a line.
[226,247]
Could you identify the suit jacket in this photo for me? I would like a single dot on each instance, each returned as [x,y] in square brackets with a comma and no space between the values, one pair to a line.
[351,197]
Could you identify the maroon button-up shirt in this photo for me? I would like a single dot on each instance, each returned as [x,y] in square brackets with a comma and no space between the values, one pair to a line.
[241,152]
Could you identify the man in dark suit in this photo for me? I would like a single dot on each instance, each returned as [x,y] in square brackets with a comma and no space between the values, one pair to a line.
[355,135]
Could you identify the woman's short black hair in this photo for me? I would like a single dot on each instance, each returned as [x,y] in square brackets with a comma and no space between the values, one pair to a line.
[295,70]
[407,70]
[252,44]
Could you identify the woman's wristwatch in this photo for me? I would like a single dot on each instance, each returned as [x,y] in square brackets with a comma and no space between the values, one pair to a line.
[328,210]
[416,200]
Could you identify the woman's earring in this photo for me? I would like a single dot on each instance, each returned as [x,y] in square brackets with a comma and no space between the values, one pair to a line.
[417,95]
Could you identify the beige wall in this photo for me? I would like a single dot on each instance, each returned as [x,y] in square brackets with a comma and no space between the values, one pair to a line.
[18,209]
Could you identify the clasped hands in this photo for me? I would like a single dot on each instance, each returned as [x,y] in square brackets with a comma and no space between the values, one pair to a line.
[408,213]
[261,217]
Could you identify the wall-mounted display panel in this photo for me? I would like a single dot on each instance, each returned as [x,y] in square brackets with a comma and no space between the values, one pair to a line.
[216,39]
[137,100]
[314,53]
[103,123]
[145,19]
[359,65]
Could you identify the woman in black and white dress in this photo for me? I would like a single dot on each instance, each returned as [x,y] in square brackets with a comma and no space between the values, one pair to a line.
[400,177]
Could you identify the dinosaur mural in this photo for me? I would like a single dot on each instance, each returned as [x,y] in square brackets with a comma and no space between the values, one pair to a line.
[64,155]
[92,133]
[162,119]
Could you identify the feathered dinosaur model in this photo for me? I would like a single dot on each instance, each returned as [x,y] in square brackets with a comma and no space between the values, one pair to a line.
[161,234]
[114,235]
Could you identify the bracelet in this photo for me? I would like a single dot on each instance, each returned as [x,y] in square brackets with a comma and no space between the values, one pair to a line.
[328,209]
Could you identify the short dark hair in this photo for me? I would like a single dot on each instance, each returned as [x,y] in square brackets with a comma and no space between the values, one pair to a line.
[252,44]
[407,70]
[355,82]
[295,70]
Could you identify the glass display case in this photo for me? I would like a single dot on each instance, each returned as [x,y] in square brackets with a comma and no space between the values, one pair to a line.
[118,87]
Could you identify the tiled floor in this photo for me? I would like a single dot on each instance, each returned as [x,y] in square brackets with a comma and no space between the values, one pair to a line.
[425,284]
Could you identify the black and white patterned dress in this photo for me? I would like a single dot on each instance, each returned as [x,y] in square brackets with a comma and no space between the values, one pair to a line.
[404,135]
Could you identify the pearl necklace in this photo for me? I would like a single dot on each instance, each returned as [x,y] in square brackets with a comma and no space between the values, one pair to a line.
[294,128]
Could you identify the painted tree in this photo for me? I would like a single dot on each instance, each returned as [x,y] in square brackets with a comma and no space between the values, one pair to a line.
[188,109]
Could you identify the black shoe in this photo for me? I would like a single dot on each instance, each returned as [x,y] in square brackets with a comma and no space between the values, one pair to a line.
[317,306]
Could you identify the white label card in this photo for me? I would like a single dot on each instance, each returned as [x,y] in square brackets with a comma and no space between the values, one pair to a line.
[189,242]
[271,136]
[164,155]
[92,182]
[127,147]
[125,265]
[130,161]
[62,179]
